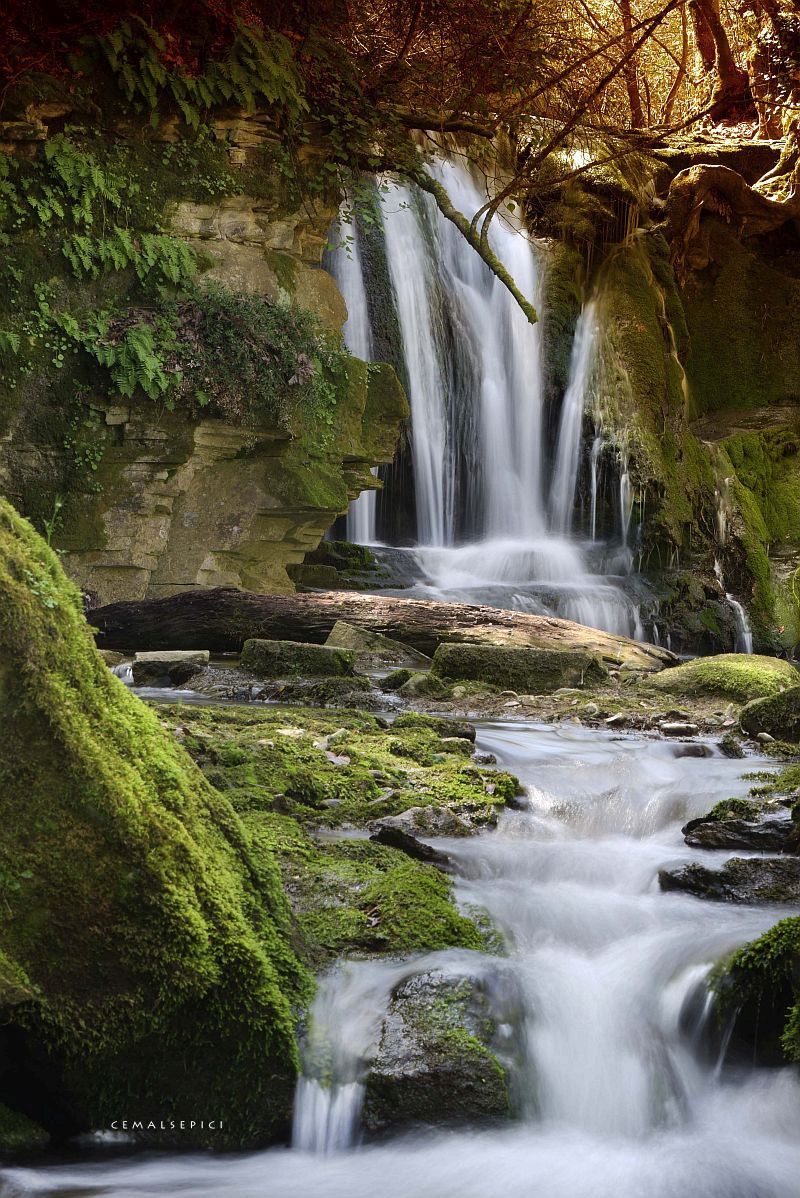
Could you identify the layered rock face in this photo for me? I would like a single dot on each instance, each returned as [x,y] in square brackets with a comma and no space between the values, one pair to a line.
[184,504]
[144,500]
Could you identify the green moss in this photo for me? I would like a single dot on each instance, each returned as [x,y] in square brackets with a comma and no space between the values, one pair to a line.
[18,1133]
[533,671]
[281,659]
[778,715]
[155,939]
[765,974]
[737,676]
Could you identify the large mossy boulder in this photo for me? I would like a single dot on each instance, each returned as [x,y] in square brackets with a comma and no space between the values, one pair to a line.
[435,1062]
[145,964]
[778,716]
[736,676]
[532,671]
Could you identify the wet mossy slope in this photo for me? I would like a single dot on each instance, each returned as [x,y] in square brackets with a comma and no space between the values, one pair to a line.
[144,938]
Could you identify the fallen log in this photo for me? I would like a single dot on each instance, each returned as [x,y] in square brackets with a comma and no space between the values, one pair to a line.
[222,619]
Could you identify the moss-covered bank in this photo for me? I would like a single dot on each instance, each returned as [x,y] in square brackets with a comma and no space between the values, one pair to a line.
[145,935]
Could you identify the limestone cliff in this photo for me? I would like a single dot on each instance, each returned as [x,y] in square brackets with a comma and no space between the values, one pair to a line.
[148,486]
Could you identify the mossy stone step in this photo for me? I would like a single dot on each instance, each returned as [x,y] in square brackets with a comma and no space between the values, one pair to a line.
[281,659]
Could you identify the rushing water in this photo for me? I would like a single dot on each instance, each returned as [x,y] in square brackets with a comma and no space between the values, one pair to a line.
[614,1100]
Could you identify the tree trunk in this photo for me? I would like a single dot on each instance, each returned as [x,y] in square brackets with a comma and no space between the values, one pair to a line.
[732,88]
[222,619]
[629,70]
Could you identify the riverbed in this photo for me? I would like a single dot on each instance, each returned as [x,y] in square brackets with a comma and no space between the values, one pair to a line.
[621,1082]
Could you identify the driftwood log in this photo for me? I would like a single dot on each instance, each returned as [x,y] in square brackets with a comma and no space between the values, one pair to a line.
[222,619]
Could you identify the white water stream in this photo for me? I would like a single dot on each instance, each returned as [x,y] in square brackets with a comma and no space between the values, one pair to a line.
[613,1099]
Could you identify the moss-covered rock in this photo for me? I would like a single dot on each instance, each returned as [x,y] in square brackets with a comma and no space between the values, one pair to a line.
[740,880]
[435,1063]
[281,659]
[146,936]
[291,773]
[20,1134]
[778,715]
[534,671]
[759,988]
[736,676]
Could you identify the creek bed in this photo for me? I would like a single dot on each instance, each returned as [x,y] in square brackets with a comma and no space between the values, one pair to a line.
[616,1093]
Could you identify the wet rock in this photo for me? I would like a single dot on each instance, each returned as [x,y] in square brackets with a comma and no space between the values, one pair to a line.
[425,821]
[768,834]
[676,728]
[778,716]
[172,668]
[397,678]
[740,880]
[398,838]
[532,671]
[111,658]
[356,691]
[692,750]
[282,659]
[374,650]
[423,686]
[435,1063]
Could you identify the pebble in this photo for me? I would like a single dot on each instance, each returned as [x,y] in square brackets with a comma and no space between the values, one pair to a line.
[334,760]
[615,719]
[764,737]
[513,703]
[591,708]
[679,729]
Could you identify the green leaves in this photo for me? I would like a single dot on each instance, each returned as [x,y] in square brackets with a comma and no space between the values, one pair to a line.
[257,69]
[159,261]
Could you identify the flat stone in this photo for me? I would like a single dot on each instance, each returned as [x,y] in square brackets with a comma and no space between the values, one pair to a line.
[168,668]
[740,880]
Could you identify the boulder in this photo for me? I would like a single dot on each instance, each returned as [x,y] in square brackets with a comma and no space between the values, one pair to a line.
[283,659]
[779,716]
[145,944]
[435,1063]
[373,650]
[423,686]
[173,667]
[533,671]
[736,676]
[740,880]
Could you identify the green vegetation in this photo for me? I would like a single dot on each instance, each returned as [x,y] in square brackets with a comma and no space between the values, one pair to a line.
[282,659]
[736,676]
[760,982]
[146,937]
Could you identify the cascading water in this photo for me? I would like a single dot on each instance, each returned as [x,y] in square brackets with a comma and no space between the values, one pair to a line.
[744,634]
[487,532]
[614,1097]
[346,268]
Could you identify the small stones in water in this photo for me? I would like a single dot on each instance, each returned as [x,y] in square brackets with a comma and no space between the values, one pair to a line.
[678,729]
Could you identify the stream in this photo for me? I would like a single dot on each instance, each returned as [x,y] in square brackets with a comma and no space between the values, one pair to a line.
[615,1095]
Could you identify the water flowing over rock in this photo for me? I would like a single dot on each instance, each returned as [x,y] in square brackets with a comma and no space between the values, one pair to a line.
[494,517]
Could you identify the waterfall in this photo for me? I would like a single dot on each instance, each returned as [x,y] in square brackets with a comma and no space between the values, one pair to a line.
[346,267]
[597,445]
[744,635]
[414,286]
[486,530]
[565,474]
